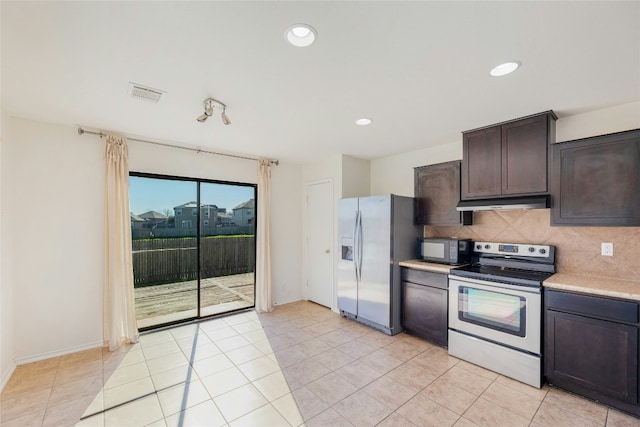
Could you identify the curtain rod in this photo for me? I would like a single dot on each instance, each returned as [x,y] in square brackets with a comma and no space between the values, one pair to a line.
[102,135]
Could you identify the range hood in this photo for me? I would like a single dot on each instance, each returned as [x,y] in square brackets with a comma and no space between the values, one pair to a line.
[505,203]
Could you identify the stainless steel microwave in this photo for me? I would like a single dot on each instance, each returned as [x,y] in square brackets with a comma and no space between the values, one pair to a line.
[445,251]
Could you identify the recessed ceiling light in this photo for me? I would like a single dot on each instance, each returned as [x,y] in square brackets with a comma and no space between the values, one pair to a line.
[506,68]
[363,122]
[301,35]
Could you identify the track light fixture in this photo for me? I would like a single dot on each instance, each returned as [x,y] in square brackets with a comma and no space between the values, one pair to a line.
[224,117]
[209,105]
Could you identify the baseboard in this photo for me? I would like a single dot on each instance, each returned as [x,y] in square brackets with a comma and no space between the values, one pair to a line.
[288,301]
[57,353]
[6,375]
[296,299]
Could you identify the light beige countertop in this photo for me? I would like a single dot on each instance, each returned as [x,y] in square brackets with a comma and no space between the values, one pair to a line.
[627,289]
[427,266]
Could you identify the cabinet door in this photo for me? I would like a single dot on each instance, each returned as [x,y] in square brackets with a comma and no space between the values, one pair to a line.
[592,357]
[481,164]
[595,181]
[524,156]
[424,312]
[437,193]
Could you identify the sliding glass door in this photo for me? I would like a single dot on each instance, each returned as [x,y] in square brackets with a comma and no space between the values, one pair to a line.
[227,248]
[193,247]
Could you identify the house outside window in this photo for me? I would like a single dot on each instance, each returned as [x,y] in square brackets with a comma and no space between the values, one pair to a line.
[178,212]
[186,223]
[243,213]
[194,212]
[206,222]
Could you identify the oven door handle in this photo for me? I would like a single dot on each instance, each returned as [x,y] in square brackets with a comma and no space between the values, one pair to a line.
[467,281]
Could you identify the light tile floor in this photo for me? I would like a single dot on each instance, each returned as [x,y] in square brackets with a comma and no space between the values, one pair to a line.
[299,365]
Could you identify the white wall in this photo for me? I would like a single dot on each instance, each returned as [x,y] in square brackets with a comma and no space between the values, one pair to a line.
[394,174]
[56,260]
[286,232]
[7,364]
[356,177]
[52,202]
[327,168]
[609,120]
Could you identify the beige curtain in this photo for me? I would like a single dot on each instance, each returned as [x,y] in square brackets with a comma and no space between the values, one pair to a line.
[264,295]
[119,308]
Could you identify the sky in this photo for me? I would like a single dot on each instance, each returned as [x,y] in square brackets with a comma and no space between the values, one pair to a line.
[152,194]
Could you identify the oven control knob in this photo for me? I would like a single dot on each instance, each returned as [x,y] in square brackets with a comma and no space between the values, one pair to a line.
[543,251]
[532,249]
[478,246]
[487,246]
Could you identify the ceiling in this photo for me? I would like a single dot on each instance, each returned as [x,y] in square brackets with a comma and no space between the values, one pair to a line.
[419,70]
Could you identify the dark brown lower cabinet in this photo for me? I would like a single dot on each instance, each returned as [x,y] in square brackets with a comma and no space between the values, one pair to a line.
[425,305]
[591,347]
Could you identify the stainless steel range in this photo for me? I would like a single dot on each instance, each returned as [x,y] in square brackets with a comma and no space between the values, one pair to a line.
[495,308]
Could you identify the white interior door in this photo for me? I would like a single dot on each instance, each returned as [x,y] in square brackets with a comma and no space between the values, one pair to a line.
[319,259]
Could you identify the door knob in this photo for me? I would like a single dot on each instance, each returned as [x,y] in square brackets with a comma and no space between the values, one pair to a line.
[327,251]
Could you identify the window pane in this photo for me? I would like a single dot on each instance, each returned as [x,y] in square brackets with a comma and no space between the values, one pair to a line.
[165,251]
[227,247]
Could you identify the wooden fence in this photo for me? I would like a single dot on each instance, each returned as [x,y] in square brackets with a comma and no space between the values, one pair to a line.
[157,261]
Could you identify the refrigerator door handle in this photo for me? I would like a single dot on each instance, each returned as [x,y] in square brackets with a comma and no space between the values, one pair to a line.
[355,246]
[360,243]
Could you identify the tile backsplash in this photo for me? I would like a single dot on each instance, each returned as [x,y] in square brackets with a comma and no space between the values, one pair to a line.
[577,248]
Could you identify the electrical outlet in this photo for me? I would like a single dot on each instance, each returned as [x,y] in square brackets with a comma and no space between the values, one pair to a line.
[607,249]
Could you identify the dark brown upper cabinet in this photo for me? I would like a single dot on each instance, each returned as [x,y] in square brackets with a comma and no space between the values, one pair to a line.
[507,159]
[596,181]
[437,193]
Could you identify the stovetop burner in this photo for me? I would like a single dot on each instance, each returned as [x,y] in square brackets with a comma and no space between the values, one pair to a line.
[500,274]
[517,264]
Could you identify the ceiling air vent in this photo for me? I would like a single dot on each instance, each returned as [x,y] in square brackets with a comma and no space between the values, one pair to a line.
[145,93]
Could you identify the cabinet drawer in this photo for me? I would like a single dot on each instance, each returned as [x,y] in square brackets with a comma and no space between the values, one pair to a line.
[437,280]
[605,308]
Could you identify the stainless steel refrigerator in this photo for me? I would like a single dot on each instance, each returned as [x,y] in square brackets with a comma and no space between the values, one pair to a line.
[375,234]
